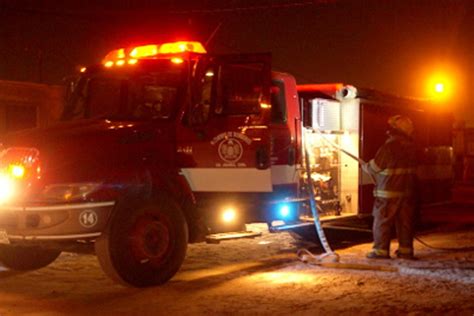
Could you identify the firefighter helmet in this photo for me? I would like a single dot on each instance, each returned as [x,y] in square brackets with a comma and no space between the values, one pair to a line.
[402,124]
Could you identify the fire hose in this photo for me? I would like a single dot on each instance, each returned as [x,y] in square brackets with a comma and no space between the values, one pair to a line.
[304,254]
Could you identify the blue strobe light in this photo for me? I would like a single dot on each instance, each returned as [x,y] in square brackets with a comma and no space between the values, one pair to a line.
[284,211]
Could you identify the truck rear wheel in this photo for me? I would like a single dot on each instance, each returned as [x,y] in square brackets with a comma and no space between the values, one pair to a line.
[144,246]
[24,258]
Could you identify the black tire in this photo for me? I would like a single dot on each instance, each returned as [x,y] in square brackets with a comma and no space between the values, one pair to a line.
[24,258]
[145,245]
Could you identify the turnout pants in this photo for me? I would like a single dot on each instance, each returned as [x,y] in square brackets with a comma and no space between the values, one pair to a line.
[398,212]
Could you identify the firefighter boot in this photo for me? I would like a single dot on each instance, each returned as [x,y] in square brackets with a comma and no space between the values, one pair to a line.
[405,253]
[378,254]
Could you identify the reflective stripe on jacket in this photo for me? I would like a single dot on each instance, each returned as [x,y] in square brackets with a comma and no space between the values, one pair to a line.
[394,168]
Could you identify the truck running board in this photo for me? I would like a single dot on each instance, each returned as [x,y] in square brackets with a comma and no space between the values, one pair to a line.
[282,228]
[217,238]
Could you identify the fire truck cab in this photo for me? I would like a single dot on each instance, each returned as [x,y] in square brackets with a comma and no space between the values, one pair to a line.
[158,146]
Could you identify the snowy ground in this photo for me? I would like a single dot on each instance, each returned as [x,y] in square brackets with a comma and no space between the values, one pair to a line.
[257,277]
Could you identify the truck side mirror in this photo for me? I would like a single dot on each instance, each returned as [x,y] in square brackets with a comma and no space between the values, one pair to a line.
[69,84]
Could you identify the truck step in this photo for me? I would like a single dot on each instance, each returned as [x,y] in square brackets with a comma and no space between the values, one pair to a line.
[217,238]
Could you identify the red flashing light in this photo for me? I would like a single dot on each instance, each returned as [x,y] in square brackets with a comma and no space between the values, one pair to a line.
[118,56]
[325,87]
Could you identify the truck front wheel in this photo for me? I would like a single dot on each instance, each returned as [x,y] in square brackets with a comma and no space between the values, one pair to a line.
[24,258]
[144,246]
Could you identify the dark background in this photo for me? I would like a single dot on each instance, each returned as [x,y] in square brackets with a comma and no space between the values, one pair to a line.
[394,46]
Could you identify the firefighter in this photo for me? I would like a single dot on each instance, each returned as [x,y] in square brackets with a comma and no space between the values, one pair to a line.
[393,170]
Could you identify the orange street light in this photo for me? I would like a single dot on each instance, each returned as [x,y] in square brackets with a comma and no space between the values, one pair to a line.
[439,87]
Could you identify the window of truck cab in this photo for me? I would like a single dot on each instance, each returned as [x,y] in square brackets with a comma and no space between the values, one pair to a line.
[151,90]
[239,89]
[278,102]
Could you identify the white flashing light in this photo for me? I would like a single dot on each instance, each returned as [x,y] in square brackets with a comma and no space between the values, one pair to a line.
[6,188]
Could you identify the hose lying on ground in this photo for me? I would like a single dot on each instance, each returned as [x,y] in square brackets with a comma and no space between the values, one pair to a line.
[329,254]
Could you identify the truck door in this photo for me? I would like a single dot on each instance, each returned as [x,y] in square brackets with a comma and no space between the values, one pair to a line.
[223,142]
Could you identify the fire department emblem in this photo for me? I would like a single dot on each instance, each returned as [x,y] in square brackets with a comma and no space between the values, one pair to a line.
[230,150]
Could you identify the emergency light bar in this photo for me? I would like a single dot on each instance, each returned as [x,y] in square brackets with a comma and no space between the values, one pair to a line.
[130,55]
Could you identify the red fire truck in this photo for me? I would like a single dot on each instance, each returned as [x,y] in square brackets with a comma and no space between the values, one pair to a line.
[163,144]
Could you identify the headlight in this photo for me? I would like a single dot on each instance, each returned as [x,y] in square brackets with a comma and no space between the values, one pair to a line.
[229,215]
[69,191]
[7,188]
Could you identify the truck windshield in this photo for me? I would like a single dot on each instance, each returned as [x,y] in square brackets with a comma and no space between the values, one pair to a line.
[149,91]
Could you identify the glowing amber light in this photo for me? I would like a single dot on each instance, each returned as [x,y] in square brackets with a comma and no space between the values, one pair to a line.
[144,51]
[17,171]
[181,47]
[132,61]
[229,215]
[444,83]
[83,69]
[177,60]
[265,106]
[109,64]
[121,53]
[439,87]
[120,62]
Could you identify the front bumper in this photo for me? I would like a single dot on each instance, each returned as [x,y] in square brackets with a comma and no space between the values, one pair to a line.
[77,221]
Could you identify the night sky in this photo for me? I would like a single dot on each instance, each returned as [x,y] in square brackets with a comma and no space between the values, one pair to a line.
[394,46]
